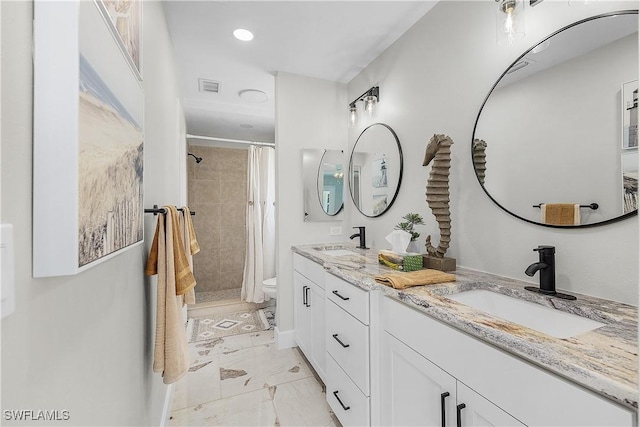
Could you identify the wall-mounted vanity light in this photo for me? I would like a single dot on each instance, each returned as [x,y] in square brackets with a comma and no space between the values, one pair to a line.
[509,21]
[510,24]
[370,98]
[353,115]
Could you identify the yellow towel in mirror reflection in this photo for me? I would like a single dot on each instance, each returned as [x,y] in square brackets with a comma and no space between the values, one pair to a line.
[560,213]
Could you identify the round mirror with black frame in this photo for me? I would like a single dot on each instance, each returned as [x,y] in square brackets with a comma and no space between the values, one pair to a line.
[555,141]
[330,182]
[375,170]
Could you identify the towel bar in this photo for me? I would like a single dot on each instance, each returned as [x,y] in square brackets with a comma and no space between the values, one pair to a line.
[593,206]
[156,210]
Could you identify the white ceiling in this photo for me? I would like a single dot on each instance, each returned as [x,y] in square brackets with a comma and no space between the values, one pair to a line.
[332,40]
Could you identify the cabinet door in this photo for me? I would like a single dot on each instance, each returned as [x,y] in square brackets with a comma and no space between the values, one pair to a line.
[415,392]
[479,412]
[316,301]
[302,312]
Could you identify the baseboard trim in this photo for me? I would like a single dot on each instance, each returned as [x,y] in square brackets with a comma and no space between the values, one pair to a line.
[285,339]
[166,409]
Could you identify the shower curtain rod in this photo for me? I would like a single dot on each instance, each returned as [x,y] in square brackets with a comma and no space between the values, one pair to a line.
[238,141]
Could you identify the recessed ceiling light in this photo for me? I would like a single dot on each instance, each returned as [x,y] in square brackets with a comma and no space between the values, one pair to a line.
[253,95]
[242,34]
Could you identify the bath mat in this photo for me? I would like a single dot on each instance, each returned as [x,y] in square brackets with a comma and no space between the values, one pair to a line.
[226,324]
[270,314]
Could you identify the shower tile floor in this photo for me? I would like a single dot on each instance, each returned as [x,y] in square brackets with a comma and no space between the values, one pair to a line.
[223,295]
[244,380]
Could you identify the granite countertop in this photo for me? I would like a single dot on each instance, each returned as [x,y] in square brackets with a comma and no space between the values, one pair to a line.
[604,360]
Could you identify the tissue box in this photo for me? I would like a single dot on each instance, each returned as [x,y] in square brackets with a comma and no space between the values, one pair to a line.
[404,262]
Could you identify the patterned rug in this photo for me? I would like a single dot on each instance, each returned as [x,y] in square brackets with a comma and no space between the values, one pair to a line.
[270,314]
[223,325]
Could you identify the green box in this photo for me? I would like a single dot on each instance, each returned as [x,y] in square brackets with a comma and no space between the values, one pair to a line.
[412,263]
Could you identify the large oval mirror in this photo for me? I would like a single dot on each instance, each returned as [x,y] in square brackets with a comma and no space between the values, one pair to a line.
[375,170]
[322,184]
[555,142]
[330,182]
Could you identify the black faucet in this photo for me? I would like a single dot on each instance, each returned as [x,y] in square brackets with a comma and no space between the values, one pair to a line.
[363,239]
[547,267]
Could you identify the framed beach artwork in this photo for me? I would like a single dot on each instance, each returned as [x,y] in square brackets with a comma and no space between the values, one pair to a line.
[379,173]
[629,160]
[380,203]
[88,141]
[630,114]
[125,21]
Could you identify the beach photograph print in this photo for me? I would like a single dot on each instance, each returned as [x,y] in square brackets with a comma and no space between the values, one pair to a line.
[110,142]
[630,114]
[379,173]
[109,170]
[126,17]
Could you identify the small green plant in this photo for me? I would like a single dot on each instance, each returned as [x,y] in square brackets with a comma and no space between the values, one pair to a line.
[410,221]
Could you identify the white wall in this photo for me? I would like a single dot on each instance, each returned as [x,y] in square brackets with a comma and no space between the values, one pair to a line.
[555,127]
[310,113]
[84,343]
[433,80]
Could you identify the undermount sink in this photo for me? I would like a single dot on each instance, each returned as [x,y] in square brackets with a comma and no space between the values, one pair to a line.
[338,252]
[543,319]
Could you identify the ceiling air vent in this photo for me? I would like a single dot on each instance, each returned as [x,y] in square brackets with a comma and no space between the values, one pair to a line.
[518,66]
[209,85]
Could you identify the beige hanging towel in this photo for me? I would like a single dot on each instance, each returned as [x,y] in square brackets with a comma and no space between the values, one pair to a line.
[415,278]
[171,353]
[184,279]
[191,247]
[193,242]
[560,213]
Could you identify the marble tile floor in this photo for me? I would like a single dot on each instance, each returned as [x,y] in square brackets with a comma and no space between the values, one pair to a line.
[244,380]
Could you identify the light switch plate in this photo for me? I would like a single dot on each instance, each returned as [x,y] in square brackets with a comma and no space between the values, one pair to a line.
[7,289]
[335,231]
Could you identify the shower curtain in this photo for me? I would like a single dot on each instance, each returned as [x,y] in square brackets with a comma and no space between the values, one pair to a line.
[260,258]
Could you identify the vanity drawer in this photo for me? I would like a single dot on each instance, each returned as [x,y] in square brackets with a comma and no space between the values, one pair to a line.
[309,269]
[348,297]
[348,342]
[345,398]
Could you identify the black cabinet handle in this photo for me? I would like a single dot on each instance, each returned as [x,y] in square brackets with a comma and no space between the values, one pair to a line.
[307,294]
[443,396]
[340,296]
[304,296]
[335,337]
[346,408]
[459,409]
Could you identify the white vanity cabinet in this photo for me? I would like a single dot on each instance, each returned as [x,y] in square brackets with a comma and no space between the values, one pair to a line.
[348,346]
[309,311]
[416,392]
[423,358]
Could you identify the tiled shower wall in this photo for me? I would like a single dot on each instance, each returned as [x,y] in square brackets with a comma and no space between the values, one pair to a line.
[218,194]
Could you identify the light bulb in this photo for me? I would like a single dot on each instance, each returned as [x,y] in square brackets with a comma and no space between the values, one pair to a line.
[509,21]
[353,115]
[369,104]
